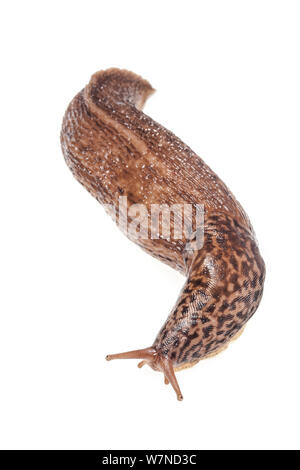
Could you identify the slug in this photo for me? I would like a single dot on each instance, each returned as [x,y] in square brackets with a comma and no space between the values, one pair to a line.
[116,151]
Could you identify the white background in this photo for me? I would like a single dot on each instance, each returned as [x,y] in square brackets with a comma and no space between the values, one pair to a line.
[73,288]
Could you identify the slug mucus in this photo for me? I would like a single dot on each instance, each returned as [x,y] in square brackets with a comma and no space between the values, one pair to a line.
[116,151]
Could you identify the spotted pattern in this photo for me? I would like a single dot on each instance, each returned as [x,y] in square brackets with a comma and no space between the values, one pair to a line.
[114,149]
[222,292]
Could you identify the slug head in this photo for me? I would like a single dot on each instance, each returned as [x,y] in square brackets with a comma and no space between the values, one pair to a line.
[156,361]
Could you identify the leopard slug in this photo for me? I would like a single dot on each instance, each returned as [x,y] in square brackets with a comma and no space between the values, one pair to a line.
[115,150]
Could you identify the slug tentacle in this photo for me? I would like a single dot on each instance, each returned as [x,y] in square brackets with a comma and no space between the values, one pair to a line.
[116,151]
[146,354]
[159,362]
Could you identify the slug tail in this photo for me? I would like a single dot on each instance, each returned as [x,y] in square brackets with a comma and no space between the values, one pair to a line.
[118,87]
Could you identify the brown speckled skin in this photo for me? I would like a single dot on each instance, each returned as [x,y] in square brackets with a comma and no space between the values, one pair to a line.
[114,149]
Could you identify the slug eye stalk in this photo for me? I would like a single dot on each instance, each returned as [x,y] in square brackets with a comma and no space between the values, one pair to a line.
[156,361]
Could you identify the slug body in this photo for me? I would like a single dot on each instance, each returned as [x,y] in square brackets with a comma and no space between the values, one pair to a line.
[115,150]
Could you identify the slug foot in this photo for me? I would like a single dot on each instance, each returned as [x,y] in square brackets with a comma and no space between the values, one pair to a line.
[156,361]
